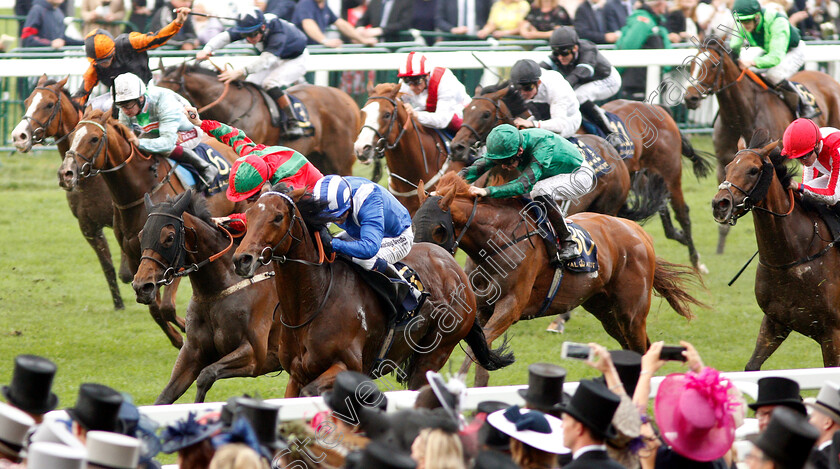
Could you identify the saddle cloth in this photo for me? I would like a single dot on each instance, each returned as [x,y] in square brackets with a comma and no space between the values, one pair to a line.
[625,147]
[298,109]
[188,175]
[587,261]
[598,163]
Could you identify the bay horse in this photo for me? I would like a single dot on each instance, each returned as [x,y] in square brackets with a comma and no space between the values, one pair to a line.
[796,282]
[512,275]
[334,321]
[99,145]
[230,328]
[656,136]
[747,105]
[51,113]
[332,112]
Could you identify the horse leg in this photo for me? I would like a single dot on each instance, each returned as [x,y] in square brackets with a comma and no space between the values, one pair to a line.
[723,230]
[97,241]
[607,311]
[830,344]
[506,313]
[239,363]
[771,334]
[292,388]
[173,335]
[325,381]
[186,370]
[167,306]
[125,270]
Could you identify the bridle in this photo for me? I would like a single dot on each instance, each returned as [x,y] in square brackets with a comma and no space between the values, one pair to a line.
[754,195]
[89,168]
[382,144]
[718,77]
[498,117]
[42,127]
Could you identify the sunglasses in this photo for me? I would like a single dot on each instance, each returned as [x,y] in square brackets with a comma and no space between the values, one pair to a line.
[562,52]
[526,86]
[128,104]
[414,80]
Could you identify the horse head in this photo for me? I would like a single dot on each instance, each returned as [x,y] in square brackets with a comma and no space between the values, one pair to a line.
[434,222]
[43,117]
[98,144]
[381,116]
[712,70]
[491,108]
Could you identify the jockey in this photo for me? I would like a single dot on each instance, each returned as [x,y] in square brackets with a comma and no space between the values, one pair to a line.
[554,99]
[432,95]
[282,60]
[552,168]
[784,51]
[156,115]
[818,150]
[111,57]
[590,74]
[377,228]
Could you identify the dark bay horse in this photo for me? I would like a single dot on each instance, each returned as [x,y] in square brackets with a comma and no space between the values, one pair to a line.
[747,105]
[796,281]
[99,145]
[332,319]
[51,113]
[658,146]
[230,327]
[512,276]
[333,113]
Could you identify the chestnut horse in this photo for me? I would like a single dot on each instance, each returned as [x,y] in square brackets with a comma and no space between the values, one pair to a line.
[99,145]
[332,112]
[332,319]
[512,276]
[657,139]
[230,327]
[795,282]
[51,113]
[747,105]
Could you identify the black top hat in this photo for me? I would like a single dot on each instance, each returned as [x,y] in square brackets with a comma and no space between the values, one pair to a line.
[491,437]
[488,407]
[628,364]
[263,419]
[31,385]
[493,460]
[594,405]
[788,439]
[97,408]
[545,386]
[779,391]
[379,455]
[354,389]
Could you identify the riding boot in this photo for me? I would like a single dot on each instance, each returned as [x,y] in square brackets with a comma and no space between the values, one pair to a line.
[568,247]
[797,101]
[292,124]
[596,115]
[405,291]
[207,173]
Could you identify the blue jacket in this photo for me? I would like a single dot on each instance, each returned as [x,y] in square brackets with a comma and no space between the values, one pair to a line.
[376,214]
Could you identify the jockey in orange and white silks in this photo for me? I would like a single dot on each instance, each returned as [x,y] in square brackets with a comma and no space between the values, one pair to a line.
[818,150]
[432,94]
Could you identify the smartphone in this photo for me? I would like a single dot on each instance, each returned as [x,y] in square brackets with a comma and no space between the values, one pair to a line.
[576,351]
[672,353]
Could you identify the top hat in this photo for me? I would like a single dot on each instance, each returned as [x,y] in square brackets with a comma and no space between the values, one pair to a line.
[112,450]
[545,386]
[378,455]
[628,364]
[186,433]
[263,419]
[55,431]
[779,391]
[788,439]
[45,455]
[97,408]
[594,406]
[828,401]
[31,384]
[14,424]
[493,460]
[488,407]
[354,389]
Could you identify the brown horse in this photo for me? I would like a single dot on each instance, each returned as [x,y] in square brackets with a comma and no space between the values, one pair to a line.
[747,105]
[657,139]
[332,112]
[230,327]
[99,145]
[512,276]
[796,280]
[332,319]
[51,113]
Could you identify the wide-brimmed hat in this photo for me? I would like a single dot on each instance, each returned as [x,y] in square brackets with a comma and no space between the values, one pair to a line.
[112,450]
[56,431]
[788,439]
[45,455]
[14,424]
[695,414]
[594,406]
[186,432]
[827,401]
[379,455]
[545,387]
[532,427]
[493,460]
[354,389]
[31,385]
[628,364]
[97,407]
[263,419]
[779,391]
[448,394]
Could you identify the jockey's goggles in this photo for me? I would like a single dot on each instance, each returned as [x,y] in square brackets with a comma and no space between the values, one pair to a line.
[746,18]
[414,80]
[526,86]
[562,51]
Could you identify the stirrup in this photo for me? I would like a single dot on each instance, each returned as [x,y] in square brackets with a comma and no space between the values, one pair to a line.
[567,251]
[292,129]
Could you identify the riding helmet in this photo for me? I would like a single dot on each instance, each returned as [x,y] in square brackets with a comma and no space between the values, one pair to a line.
[127,87]
[247,177]
[801,137]
[525,71]
[334,190]
[564,37]
[99,46]
[415,66]
[745,10]
[249,21]
[503,142]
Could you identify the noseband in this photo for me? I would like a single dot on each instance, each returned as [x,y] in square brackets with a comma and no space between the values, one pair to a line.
[89,169]
[755,195]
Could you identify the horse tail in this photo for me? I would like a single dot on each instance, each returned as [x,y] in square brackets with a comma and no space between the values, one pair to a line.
[669,282]
[490,359]
[700,160]
[648,195]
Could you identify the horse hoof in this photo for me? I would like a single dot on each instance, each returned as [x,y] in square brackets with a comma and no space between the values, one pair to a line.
[703,269]
[555,328]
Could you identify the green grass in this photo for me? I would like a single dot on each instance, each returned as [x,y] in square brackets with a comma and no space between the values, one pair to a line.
[54,302]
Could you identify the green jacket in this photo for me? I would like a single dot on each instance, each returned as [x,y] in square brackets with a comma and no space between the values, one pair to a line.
[546,154]
[640,25]
[774,34]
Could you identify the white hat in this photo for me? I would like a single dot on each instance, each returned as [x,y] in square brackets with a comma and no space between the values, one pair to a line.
[46,455]
[827,401]
[56,432]
[113,450]
[551,442]
[14,423]
[128,86]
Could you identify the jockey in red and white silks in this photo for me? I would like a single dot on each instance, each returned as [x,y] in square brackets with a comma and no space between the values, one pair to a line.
[432,94]
[818,150]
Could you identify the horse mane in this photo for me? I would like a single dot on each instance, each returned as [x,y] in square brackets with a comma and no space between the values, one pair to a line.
[63,90]
[760,138]
[197,68]
[313,212]
[386,89]
[96,115]
[494,88]
[512,99]
[450,180]
[199,209]
[714,43]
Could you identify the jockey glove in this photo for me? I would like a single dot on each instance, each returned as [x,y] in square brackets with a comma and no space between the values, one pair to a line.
[326,240]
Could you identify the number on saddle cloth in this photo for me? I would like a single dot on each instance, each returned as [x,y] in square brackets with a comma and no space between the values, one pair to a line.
[621,138]
[188,175]
[587,261]
[598,163]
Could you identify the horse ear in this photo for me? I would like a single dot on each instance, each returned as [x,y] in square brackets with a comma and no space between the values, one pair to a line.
[370,86]
[183,201]
[447,199]
[147,201]
[742,144]
[63,82]
[182,69]
[42,80]
[297,194]
[478,89]
[421,192]
[771,146]
[160,65]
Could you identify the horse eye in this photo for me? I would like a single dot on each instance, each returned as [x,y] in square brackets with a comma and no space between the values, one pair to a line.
[486,114]
[278,218]
[50,105]
[752,171]
[387,115]
[94,139]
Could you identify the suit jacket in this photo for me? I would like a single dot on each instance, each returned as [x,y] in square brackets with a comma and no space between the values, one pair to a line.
[819,459]
[615,15]
[446,14]
[402,12]
[588,23]
[593,459]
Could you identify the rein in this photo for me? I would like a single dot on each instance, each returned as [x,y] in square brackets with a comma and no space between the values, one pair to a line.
[88,169]
[719,76]
[466,226]
[755,195]
[382,144]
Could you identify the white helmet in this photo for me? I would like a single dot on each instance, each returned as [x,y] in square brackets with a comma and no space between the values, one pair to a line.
[128,86]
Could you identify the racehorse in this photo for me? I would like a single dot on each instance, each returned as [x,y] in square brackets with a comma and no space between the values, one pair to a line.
[512,276]
[100,145]
[230,327]
[657,139]
[332,319]
[747,105]
[333,114]
[796,280]
[51,113]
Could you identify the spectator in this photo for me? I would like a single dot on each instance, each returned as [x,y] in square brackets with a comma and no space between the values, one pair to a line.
[545,389]
[505,18]
[534,436]
[281,8]
[776,392]
[31,387]
[108,450]
[263,419]
[616,13]
[22,8]
[191,440]
[14,426]
[352,401]
[645,29]
[463,17]
[139,17]
[825,417]
[97,408]
[488,437]
[313,17]
[423,18]
[237,456]
[101,14]
[470,434]
[205,28]
[437,449]
[784,444]
[544,16]
[384,20]
[448,394]
[493,460]
[55,456]
[380,455]
[55,431]
[44,26]
[590,24]
[682,22]
[186,38]
[711,16]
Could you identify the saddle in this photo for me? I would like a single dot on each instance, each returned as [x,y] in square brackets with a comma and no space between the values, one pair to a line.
[830,215]
[278,119]
[189,176]
[402,308]
[587,260]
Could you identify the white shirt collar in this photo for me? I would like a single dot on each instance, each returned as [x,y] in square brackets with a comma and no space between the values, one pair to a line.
[588,448]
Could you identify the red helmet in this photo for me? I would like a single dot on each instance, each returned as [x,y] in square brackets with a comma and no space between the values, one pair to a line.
[415,66]
[801,137]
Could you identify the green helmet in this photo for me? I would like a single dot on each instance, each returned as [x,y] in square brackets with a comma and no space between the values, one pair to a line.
[745,10]
[503,142]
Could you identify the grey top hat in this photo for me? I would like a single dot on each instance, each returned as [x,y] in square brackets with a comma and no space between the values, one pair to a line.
[113,450]
[14,424]
[44,455]
[31,385]
[828,401]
